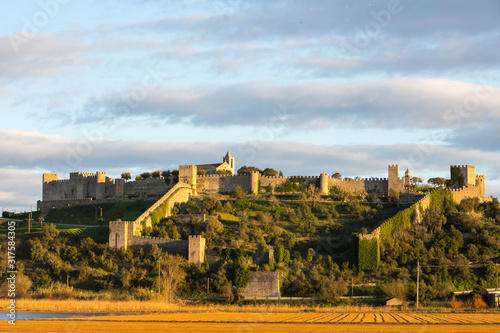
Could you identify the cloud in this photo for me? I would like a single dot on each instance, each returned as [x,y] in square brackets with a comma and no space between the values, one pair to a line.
[397,103]
[20,189]
[26,155]
[41,55]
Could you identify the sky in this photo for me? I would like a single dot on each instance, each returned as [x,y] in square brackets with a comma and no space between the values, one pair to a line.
[300,86]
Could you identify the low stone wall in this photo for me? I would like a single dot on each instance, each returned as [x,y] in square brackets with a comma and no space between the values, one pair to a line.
[186,218]
[172,246]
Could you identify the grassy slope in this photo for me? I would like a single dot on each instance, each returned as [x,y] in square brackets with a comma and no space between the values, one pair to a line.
[346,223]
[86,214]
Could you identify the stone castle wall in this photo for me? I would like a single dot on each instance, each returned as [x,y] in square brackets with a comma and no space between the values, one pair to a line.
[80,186]
[178,193]
[361,186]
[172,246]
[273,181]
[471,191]
[149,186]
[262,285]
[222,183]
[128,233]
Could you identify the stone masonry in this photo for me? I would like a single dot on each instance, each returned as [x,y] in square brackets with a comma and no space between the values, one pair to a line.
[262,285]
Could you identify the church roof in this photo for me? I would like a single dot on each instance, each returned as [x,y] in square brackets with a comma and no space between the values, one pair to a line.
[208,166]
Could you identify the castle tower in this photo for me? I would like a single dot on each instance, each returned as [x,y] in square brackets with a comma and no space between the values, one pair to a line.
[120,233]
[481,184]
[196,249]
[323,183]
[394,184]
[229,159]
[468,173]
[254,182]
[408,179]
[49,177]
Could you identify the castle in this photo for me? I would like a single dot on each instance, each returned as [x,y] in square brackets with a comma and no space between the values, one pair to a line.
[89,188]
[86,188]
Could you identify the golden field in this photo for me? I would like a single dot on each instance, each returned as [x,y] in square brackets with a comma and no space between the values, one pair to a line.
[151,316]
[267,322]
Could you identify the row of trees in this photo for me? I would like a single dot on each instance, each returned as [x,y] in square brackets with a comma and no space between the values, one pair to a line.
[152,174]
[269,172]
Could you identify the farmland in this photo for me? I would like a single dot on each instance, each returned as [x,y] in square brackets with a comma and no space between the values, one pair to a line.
[272,322]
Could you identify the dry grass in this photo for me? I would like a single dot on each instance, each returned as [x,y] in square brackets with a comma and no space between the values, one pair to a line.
[105,306]
[109,306]
[269,322]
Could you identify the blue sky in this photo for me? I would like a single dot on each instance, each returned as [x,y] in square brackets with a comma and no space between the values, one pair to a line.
[301,86]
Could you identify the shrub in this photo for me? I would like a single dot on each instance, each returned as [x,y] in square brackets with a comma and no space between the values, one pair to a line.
[241,277]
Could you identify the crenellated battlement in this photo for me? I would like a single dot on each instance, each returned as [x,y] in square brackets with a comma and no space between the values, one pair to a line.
[459,166]
[220,176]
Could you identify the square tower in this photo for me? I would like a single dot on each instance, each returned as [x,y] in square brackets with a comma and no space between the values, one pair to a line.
[463,174]
[196,249]
[187,174]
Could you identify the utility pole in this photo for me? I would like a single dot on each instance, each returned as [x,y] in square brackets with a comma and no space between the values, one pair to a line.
[418,279]
[29,219]
[352,286]
[208,286]
[159,285]
[496,266]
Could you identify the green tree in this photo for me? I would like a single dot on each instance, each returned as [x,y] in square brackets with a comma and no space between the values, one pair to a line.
[336,175]
[49,231]
[172,275]
[126,176]
[333,289]
[156,174]
[396,289]
[241,277]
[269,172]
[310,254]
[279,253]
[244,170]
[237,193]
[437,181]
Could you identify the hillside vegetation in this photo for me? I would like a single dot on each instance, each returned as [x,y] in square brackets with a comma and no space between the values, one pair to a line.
[456,246]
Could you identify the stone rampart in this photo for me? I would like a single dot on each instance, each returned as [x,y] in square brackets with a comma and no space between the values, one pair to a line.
[361,186]
[172,246]
[80,185]
[466,192]
[149,186]
[222,183]
[262,284]
[180,192]
[186,218]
